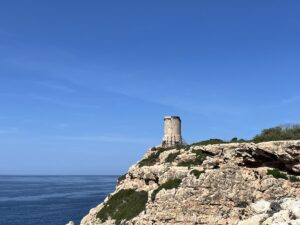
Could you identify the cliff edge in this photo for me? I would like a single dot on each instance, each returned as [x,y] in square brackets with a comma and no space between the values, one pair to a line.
[221,184]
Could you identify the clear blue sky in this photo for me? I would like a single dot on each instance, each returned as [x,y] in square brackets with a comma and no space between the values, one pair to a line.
[84,85]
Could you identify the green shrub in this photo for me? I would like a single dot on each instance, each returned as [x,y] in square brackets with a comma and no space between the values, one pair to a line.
[124,205]
[235,139]
[241,140]
[196,173]
[180,146]
[210,142]
[171,157]
[200,157]
[294,178]
[153,158]
[187,147]
[188,163]
[123,177]
[150,161]
[278,134]
[277,174]
[170,184]
[219,141]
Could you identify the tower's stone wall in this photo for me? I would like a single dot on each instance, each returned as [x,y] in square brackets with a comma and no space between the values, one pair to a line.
[172,131]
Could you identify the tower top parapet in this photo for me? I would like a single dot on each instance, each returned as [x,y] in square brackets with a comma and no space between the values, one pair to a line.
[172,117]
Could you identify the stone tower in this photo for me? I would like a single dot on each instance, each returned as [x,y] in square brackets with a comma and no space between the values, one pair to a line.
[172,131]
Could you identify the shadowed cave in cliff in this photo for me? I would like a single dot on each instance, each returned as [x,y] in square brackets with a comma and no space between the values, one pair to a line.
[260,158]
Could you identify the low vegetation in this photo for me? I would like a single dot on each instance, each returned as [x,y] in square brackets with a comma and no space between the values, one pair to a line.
[181,146]
[278,134]
[236,140]
[153,158]
[172,156]
[124,205]
[196,173]
[170,184]
[218,141]
[293,178]
[210,142]
[276,173]
[200,157]
[123,177]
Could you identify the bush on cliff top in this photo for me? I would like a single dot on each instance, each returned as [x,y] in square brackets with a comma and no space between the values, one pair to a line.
[171,157]
[124,205]
[277,174]
[200,157]
[218,141]
[196,173]
[181,146]
[293,178]
[122,177]
[210,142]
[170,184]
[278,134]
[153,158]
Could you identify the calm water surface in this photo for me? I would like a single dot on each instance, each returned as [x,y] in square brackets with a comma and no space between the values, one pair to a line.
[50,200]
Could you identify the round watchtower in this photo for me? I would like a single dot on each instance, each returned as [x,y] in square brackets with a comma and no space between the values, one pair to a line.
[172,131]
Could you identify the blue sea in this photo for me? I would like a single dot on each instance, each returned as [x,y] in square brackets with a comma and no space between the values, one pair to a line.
[50,200]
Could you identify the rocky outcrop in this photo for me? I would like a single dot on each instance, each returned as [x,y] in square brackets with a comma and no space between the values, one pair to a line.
[222,184]
[278,212]
[70,223]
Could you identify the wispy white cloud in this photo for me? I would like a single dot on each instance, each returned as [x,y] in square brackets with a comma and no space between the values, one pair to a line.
[53,100]
[291,99]
[103,138]
[61,125]
[5,33]
[64,102]
[48,124]
[186,104]
[10,130]
[4,117]
[29,120]
[54,86]
[74,75]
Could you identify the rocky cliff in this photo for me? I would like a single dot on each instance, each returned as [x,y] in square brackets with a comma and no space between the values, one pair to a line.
[236,183]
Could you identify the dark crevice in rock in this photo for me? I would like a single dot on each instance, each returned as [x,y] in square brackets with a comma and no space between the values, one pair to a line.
[257,175]
[294,147]
[215,204]
[292,216]
[217,166]
[242,204]
[208,153]
[147,180]
[274,208]
[260,158]
[263,154]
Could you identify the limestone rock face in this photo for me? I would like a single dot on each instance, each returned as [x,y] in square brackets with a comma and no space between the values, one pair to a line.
[277,212]
[233,186]
[70,223]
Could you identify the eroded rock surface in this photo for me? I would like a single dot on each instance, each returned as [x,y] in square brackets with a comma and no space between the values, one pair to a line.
[233,186]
